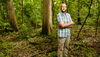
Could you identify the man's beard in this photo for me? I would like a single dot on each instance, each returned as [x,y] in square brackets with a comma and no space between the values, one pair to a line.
[64,11]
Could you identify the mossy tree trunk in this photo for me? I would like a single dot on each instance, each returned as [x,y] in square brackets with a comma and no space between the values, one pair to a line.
[11,15]
[47,17]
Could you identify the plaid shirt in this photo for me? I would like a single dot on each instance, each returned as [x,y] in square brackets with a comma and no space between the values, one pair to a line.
[66,18]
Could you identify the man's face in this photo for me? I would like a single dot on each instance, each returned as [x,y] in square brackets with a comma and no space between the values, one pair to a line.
[63,7]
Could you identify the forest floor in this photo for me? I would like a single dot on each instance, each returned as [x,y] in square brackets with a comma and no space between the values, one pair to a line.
[12,44]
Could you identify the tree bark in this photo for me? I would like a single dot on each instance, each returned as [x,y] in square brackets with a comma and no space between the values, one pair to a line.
[47,17]
[79,19]
[11,15]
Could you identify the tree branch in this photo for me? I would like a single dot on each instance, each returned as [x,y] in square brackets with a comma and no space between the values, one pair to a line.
[85,19]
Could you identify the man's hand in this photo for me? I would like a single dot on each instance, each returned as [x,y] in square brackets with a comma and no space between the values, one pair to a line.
[72,24]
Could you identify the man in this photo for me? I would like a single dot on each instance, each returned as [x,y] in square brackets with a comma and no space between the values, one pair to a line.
[64,23]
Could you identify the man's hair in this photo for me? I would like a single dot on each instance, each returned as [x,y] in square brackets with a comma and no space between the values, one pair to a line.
[61,7]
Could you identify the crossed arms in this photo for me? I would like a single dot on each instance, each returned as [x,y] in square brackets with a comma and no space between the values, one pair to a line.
[63,25]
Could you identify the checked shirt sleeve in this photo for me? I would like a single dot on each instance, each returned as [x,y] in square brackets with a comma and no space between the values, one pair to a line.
[59,18]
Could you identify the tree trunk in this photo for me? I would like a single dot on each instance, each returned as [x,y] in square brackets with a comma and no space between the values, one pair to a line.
[22,11]
[79,19]
[0,9]
[53,12]
[11,15]
[97,20]
[47,17]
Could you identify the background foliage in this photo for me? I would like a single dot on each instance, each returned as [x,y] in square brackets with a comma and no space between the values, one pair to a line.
[29,39]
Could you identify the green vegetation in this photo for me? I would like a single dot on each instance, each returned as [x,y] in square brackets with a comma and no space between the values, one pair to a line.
[29,41]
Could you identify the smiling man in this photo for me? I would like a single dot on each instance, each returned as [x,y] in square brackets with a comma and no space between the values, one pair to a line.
[64,24]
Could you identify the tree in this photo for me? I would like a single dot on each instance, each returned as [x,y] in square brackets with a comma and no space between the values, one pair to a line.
[89,8]
[22,11]
[97,20]
[47,17]
[11,15]
[79,7]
